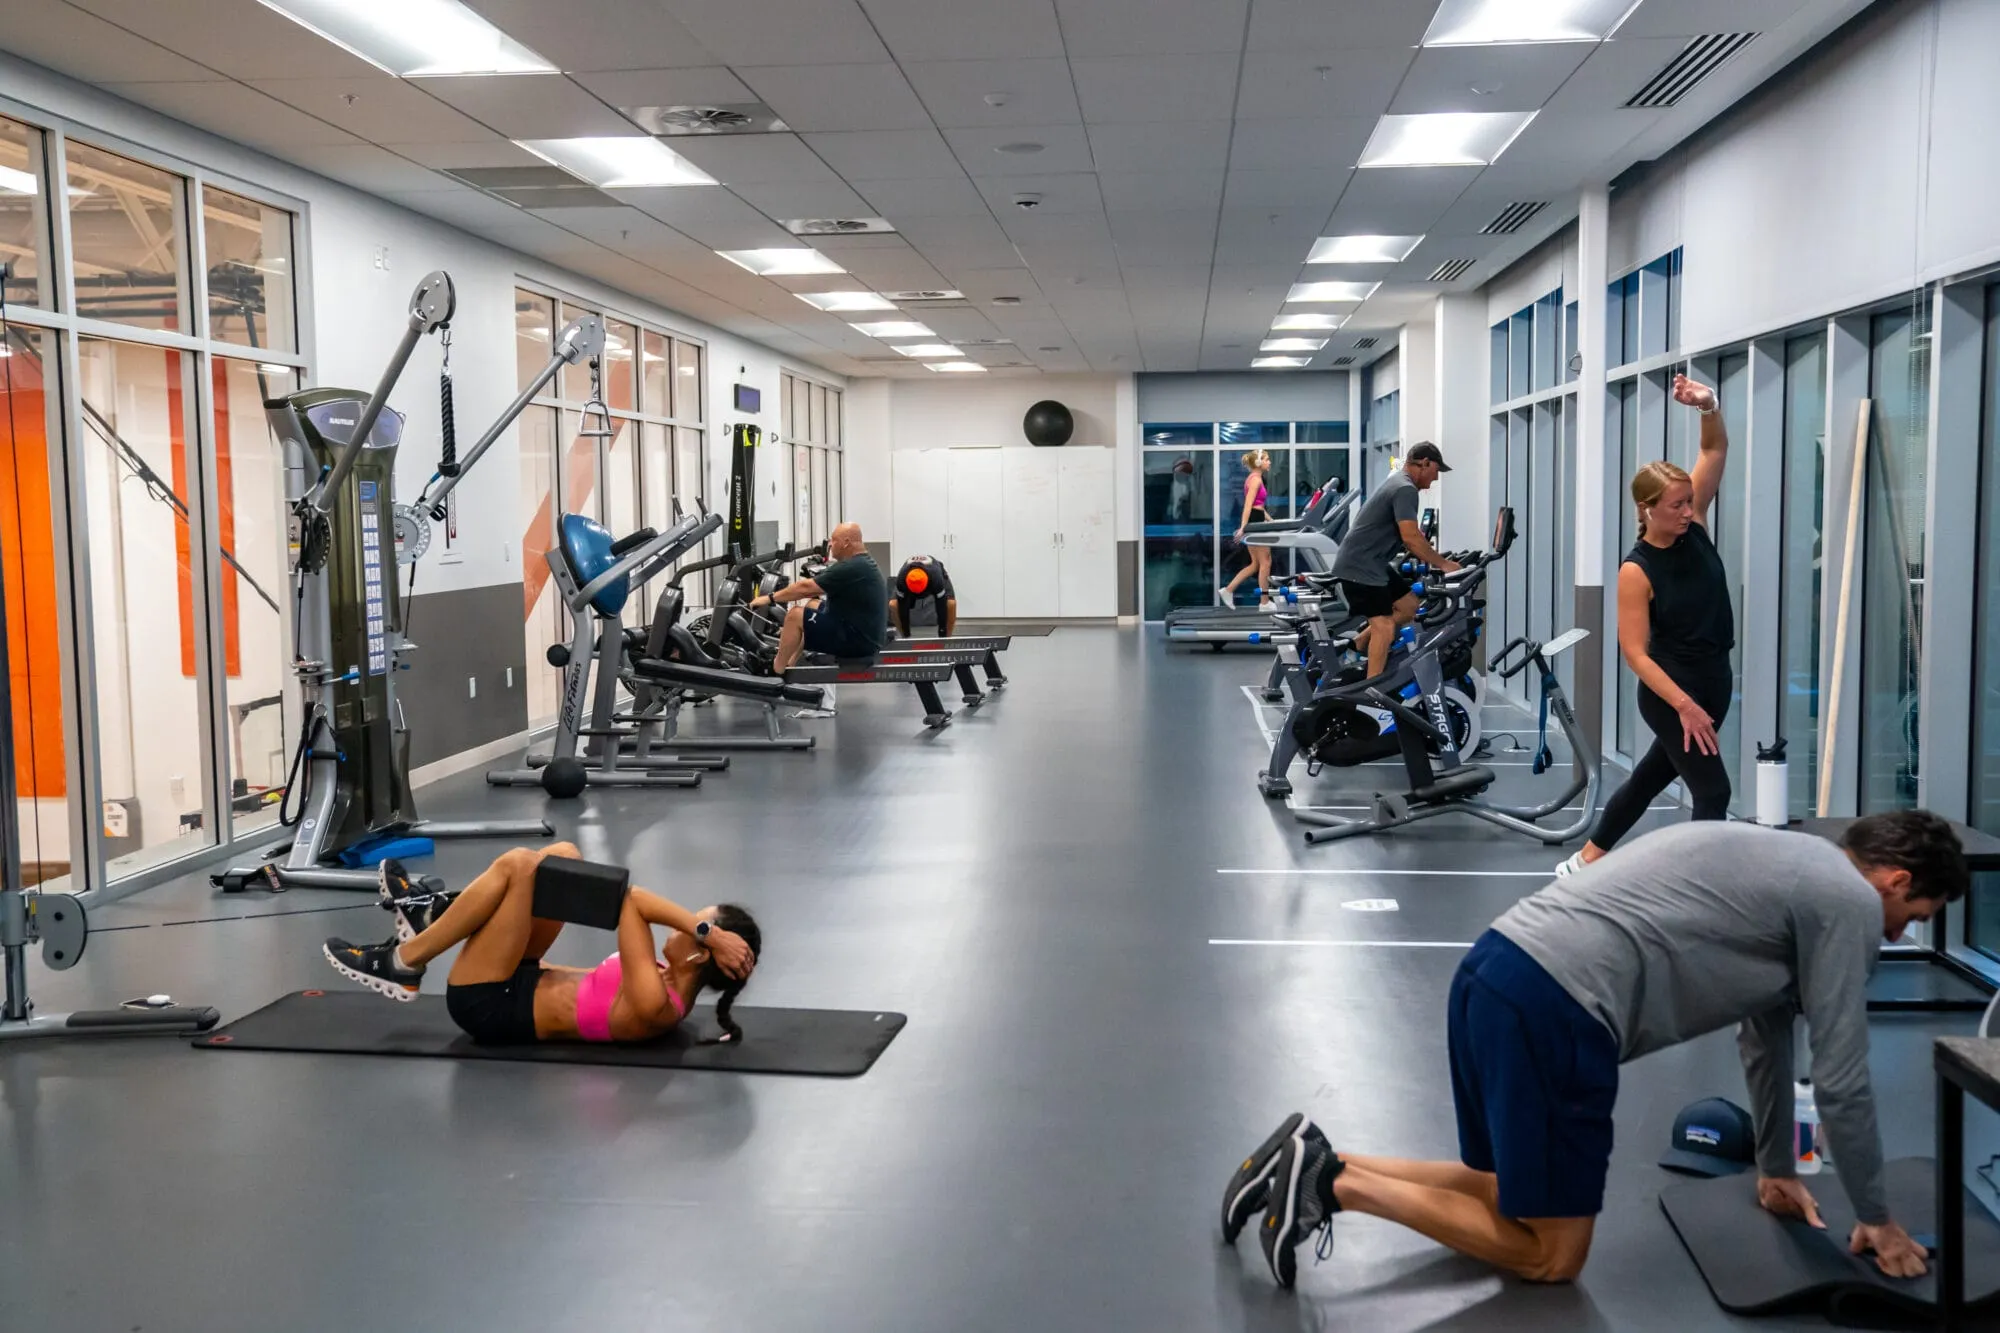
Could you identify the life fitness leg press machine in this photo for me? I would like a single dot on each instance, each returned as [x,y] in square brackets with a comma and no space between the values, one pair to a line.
[351,770]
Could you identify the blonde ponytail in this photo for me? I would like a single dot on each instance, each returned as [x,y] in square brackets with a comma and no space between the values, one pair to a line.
[1650,482]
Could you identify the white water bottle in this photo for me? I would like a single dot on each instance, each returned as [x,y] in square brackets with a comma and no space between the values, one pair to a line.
[1806,1146]
[1773,785]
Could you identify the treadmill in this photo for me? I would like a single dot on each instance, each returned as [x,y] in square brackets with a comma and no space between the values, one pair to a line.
[1317,533]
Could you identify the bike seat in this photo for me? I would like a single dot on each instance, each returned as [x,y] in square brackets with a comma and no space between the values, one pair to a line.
[1465,780]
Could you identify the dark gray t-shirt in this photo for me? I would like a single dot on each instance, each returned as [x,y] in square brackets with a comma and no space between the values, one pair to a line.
[1376,534]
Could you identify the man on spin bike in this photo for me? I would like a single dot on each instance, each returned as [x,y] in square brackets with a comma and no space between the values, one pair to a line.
[1386,524]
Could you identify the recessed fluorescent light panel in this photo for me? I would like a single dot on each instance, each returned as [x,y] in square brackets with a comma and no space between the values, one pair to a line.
[961,366]
[1332,291]
[408,38]
[1443,138]
[1306,323]
[786,261]
[1505,22]
[843,301]
[1291,344]
[895,328]
[1362,249]
[624,162]
[928,351]
[1279,362]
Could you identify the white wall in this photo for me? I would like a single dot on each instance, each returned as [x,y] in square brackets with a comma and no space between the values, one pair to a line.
[947,412]
[1251,395]
[1867,170]
[1550,265]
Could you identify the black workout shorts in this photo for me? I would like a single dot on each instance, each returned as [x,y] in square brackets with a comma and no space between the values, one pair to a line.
[497,1013]
[1372,599]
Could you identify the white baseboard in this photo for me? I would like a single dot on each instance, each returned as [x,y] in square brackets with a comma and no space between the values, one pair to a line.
[452,765]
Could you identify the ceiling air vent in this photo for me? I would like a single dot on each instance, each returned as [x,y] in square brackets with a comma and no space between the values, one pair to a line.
[722,118]
[533,187]
[837,226]
[1451,270]
[1512,218]
[1343,361]
[1697,60]
[1363,344]
[931,294]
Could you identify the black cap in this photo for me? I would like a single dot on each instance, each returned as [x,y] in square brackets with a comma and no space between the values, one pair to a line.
[1712,1137]
[1426,452]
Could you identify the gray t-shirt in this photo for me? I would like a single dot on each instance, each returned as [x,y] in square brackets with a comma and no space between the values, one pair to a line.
[1376,534]
[1698,926]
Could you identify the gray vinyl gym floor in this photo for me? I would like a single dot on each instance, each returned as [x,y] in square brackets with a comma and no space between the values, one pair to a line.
[1041,1150]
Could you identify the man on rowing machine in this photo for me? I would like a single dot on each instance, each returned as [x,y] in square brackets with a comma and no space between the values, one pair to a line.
[844,612]
[1670,936]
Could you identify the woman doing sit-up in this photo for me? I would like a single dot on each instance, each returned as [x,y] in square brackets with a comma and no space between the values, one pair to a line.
[501,993]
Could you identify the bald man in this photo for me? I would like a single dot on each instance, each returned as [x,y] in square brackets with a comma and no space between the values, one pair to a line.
[842,613]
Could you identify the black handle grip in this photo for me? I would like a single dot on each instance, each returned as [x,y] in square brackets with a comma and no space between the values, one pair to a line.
[632,541]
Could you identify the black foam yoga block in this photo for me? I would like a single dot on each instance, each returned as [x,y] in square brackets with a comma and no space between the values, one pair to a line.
[584,893]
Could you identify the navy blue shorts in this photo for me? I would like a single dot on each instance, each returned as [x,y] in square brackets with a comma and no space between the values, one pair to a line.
[828,634]
[1534,1077]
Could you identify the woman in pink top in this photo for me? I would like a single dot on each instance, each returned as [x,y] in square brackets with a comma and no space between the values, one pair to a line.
[501,992]
[1256,499]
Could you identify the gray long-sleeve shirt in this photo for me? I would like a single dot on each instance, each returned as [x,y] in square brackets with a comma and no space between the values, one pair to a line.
[1698,926]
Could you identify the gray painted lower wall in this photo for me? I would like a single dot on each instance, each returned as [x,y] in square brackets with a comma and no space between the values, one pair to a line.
[1589,701]
[879,553]
[471,635]
[1128,578]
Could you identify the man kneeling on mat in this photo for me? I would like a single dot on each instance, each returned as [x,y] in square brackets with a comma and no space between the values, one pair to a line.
[1674,935]
[501,993]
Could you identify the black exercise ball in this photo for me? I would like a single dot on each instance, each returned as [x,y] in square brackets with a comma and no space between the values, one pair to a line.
[1048,424]
[564,779]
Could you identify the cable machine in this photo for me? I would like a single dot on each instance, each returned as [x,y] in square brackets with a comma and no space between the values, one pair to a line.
[350,772]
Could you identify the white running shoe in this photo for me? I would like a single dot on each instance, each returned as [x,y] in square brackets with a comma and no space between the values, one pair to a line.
[1574,863]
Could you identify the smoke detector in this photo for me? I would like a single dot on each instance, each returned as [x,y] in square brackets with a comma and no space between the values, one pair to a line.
[836,226]
[718,118]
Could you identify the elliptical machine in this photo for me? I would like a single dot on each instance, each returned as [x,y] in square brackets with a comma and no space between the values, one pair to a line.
[351,771]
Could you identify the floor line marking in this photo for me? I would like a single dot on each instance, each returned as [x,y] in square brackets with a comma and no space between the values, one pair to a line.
[1356,870]
[1347,944]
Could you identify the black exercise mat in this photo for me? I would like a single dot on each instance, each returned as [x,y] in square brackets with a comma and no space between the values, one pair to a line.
[834,1043]
[1756,1264]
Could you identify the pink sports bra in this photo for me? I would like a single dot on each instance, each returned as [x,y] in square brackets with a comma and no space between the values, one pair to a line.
[599,989]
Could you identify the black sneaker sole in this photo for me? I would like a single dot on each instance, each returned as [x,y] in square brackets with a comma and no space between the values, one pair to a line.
[1248,1187]
[1282,1215]
[395,990]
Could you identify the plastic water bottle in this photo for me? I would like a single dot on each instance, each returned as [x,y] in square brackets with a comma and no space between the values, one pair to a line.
[1806,1144]
[1773,785]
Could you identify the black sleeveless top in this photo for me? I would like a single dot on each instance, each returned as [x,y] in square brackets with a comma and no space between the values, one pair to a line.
[1693,626]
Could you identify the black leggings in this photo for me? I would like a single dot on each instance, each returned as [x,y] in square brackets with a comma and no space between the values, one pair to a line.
[1704,776]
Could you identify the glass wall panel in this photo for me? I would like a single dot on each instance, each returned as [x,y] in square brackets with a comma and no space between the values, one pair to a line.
[1893,558]
[1243,434]
[575,379]
[1520,480]
[1179,516]
[125,222]
[1538,530]
[822,527]
[1566,500]
[249,256]
[250,480]
[35,655]
[1322,432]
[542,607]
[1178,435]
[621,478]
[1630,458]
[656,397]
[620,350]
[579,493]
[689,394]
[135,404]
[1800,572]
[656,492]
[24,221]
[816,400]
[1727,524]
[1982,908]
[534,321]
[1520,353]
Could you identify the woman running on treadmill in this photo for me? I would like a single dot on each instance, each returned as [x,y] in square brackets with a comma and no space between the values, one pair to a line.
[1256,495]
[1675,630]
[501,993]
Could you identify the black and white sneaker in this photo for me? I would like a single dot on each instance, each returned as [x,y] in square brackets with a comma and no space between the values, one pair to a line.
[1295,1210]
[1251,1185]
[375,966]
[415,903]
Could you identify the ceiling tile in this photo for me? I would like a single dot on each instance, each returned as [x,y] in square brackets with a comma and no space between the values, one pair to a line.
[1132,191]
[887,155]
[755,159]
[1299,145]
[365,167]
[955,245]
[838,97]
[960,29]
[1070,193]
[235,112]
[86,47]
[1266,236]
[383,108]
[1320,82]
[1613,72]
[981,151]
[780,32]
[1134,90]
[1515,78]
[1689,18]
[464,207]
[489,151]
[1170,238]
[242,40]
[1399,201]
[667,87]
[946,196]
[1291,25]
[1031,92]
[1578,146]
[820,199]
[612,34]
[1482,202]
[1161,146]
[1279,188]
[528,106]
[1152,27]
[709,214]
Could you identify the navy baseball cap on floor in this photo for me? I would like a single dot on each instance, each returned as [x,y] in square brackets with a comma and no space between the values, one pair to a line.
[1712,1137]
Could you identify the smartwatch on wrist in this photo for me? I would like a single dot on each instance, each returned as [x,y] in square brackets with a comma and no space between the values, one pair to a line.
[701,929]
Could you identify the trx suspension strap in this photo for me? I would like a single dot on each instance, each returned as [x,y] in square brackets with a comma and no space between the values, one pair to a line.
[742,490]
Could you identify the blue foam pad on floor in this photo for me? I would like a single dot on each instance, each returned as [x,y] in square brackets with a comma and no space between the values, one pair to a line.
[374,851]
